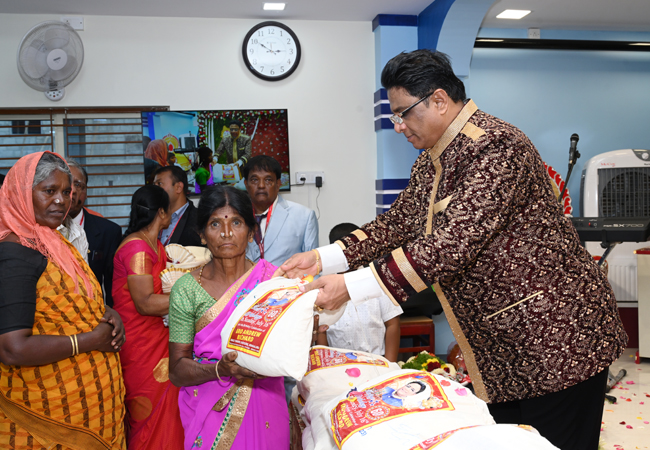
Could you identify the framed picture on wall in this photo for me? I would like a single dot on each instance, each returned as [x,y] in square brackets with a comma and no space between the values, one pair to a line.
[213,146]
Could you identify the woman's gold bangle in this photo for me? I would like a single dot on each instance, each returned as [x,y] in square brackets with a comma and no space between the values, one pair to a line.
[318,268]
[75,344]
[216,370]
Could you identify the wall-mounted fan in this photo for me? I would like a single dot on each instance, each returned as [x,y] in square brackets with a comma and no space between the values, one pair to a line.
[50,57]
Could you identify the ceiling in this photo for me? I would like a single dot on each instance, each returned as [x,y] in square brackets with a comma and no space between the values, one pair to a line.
[619,15]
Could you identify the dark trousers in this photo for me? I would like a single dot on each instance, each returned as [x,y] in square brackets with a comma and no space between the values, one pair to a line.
[569,419]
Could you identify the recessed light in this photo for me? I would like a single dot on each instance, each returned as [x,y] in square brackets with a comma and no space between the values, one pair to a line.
[274,6]
[513,14]
[643,44]
[489,40]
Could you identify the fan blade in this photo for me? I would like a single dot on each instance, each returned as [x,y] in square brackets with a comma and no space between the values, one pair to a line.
[66,71]
[34,62]
[55,38]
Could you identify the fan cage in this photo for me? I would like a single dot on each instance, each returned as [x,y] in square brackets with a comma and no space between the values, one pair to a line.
[74,48]
[624,192]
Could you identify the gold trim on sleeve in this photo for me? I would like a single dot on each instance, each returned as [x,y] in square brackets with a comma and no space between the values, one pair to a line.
[382,285]
[360,235]
[340,244]
[408,271]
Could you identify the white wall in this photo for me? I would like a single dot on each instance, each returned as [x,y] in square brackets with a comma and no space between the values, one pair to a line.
[194,64]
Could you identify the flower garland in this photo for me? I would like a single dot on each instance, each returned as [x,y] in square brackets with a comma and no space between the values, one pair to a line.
[431,363]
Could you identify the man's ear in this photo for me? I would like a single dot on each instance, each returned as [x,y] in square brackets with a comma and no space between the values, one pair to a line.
[179,187]
[440,101]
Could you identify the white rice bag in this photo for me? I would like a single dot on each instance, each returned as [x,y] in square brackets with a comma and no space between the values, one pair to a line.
[271,329]
[488,437]
[331,372]
[400,409]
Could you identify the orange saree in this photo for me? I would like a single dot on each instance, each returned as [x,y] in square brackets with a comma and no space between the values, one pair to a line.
[151,399]
[76,403]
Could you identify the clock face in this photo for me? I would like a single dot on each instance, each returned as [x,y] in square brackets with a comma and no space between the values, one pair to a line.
[271,51]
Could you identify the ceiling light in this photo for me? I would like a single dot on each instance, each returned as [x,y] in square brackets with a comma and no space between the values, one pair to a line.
[644,44]
[274,6]
[489,40]
[513,14]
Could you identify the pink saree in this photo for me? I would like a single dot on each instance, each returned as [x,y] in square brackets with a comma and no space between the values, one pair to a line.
[225,415]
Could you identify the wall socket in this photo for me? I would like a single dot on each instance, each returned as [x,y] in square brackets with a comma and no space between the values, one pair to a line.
[534,33]
[309,177]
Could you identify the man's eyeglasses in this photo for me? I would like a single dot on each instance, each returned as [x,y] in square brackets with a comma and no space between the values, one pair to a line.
[397,118]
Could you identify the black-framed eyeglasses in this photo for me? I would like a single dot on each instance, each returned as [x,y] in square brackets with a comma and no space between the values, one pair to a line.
[397,118]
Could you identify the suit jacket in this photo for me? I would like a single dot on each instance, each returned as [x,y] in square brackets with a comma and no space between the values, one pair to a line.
[293,229]
[244,149]
[103,237]
[185,232]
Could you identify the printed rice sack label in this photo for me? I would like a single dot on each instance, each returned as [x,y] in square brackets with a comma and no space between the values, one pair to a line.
[321,357]
[253,328]
[402,409]
[271,329]
[392,398]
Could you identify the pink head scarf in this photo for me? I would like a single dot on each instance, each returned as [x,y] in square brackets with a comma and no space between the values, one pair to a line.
[17,216]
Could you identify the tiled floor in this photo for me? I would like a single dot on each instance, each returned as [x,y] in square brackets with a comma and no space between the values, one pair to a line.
[626,423]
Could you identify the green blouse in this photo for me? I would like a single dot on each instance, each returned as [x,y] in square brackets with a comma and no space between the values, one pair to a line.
[188,301]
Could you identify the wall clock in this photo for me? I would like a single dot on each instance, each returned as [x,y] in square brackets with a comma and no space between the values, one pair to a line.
[271,51]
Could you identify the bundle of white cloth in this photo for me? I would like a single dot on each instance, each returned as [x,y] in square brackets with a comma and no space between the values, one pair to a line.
[354,400]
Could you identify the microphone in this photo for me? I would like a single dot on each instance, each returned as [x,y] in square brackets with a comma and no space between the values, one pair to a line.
[573,149]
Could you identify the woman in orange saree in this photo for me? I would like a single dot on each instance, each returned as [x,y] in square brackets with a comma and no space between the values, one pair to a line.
[151,400]
[61,384]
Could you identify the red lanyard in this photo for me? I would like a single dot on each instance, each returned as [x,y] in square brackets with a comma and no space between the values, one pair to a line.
[81,222]
[266,227]
[169,238]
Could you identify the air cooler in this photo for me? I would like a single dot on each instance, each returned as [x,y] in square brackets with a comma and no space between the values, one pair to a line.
[617,184]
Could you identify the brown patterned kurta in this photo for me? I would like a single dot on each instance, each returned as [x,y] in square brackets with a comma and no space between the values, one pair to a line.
[532,312]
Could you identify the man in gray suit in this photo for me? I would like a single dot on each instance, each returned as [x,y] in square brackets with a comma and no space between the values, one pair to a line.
[285,227]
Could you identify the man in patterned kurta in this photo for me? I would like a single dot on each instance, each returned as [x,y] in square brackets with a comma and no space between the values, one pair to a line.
[535,317]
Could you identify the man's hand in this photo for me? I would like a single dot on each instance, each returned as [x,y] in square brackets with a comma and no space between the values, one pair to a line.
[332,291]
[298,266]
[113,318]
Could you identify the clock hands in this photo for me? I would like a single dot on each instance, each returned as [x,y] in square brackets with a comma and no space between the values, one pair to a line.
[270,50]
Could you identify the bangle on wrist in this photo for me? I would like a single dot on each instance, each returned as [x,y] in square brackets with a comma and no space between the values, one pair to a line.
[216,370]
[75,345]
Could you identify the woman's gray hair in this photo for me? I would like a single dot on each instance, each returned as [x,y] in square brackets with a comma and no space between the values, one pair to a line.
[48,164]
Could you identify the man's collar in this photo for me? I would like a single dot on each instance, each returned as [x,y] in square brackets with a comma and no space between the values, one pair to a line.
[180,211]
[453,129]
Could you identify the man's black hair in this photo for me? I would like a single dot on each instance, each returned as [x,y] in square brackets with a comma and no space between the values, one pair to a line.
[341,230]
[262,162]
[235,122]
[421,72]
[178,175]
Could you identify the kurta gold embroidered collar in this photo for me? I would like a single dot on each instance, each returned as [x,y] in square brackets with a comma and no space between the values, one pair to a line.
[453,129]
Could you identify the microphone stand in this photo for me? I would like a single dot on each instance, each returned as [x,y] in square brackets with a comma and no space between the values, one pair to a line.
[574,154]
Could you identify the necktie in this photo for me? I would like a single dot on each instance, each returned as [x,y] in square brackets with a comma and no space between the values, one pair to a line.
[258,232]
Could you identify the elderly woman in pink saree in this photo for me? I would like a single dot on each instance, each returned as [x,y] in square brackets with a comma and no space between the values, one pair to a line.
[222,405]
